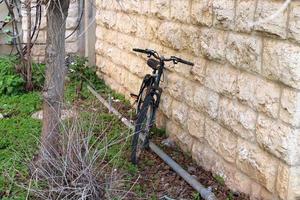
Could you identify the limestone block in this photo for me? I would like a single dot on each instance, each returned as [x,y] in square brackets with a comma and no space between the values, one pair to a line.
[106,18]
[160,8]
[241,183]
[259,94]
[172,129]
[288,182]
[166,104]
[180,38]
[195,124]
[213,43]
[221,140]
[72,47]
[188,92]
[281,61]
[279,139]
[201,12]
[179,112]
[244,52]
[38,50]
[110,5]
[275,26]
[224,13]
[221,78]
[132,6]
[136,64]
[73,10]
[206,100]
[198,70]
[72,36]
[245,10]
[185,141]
[71,23]
[204,155]
[126,23]
[160,120]
[294,21]
[225,170]
[152,26]
[282,184]
[171,35]
[175,86]
[180,10]
[290,107]
[257,164]
[141,26]
[238,118]
[145,7]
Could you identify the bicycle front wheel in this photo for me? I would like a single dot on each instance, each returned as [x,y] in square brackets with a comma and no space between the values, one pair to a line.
[143,125]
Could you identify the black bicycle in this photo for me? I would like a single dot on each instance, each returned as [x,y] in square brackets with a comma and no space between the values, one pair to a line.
[148,100]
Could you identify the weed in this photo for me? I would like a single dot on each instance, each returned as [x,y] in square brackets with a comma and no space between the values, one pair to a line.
[219,179]
[11,83]
[196,196]
[230,196]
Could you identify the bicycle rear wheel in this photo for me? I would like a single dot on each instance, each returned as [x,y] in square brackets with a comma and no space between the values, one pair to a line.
[143,125]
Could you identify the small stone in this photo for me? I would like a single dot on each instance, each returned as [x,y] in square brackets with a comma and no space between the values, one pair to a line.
[168,143]
[1,116]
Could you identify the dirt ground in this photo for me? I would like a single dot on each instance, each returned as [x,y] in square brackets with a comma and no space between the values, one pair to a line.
[159,181]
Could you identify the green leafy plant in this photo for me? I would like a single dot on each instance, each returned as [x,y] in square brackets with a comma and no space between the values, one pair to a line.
[219,179]
[38,75]
[10,83]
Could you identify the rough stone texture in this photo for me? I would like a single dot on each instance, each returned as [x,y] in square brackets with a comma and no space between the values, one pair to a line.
[237,109]
[279,139]
[290,107]
[282,62]
[180,10]
[238,118]
[294,21]
[259,94]
[160,8]
[195,124]
[252,161]
[222,79]
[179,112]
[224,13]
[201,12]
[275,26]
[244,52]
[206,101]
[221,141]
[245,10]
[213,44]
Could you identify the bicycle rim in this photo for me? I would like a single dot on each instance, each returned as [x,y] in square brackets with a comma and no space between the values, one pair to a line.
[142,129]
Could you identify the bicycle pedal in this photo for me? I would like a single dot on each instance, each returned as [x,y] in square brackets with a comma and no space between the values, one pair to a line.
[134,96]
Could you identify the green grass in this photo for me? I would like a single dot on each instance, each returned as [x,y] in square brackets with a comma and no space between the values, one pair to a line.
[18,141]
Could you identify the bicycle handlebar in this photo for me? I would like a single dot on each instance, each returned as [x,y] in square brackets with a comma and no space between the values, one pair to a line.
[155,54]
[176,59]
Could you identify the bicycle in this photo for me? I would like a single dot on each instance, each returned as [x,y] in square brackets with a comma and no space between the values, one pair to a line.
[148,100]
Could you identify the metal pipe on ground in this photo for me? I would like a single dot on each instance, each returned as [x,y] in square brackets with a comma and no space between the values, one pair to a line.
[205,193]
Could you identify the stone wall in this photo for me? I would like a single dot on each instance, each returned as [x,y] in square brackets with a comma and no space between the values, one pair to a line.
[38,50]
[237,110]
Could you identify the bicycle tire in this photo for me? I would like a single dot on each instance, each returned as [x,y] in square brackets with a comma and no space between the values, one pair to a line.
[140,138]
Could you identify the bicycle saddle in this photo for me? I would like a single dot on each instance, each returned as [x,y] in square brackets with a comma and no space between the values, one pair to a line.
[154,64]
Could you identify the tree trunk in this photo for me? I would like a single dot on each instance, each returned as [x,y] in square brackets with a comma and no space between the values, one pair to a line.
[55,75]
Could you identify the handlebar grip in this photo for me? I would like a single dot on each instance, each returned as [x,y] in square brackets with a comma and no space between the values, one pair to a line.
[140,50]
[183,61]
[186,62]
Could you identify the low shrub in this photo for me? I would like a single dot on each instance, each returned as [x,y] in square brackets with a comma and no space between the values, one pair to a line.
[10,83]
